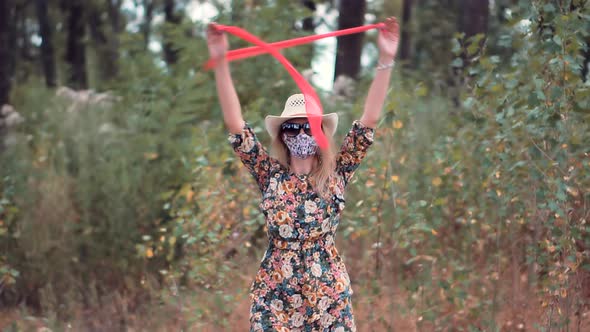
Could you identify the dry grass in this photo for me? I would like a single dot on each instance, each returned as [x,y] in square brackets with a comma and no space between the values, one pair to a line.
[379,305]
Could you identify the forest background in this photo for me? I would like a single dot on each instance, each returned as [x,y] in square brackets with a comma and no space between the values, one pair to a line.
[123,207]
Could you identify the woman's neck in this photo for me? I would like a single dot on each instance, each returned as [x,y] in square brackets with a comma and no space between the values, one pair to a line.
[302,166]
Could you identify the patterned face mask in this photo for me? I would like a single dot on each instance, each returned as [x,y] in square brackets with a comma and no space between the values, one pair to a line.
[301,146]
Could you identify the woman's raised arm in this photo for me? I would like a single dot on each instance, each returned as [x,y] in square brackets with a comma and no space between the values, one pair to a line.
[228,98]
[387,42]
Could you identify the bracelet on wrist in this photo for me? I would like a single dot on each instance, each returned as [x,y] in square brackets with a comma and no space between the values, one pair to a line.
[381,66]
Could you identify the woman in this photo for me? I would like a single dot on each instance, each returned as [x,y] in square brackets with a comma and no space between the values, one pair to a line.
[302,283]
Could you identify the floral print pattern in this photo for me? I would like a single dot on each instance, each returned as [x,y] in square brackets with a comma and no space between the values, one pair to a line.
[302,283]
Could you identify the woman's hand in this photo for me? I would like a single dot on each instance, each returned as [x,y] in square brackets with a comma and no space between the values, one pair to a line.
[217,42]
[388,40]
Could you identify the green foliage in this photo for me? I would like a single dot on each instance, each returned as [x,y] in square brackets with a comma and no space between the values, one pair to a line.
[499,183]
[118,196]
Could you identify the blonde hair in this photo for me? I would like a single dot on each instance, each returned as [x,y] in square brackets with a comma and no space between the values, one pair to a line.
[323,167]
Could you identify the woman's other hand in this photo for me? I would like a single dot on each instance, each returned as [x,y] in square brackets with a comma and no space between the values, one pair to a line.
[388,40]
[216,41]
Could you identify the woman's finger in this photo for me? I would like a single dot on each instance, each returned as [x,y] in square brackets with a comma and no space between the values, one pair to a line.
[213,30]
[391,24]
[212,26]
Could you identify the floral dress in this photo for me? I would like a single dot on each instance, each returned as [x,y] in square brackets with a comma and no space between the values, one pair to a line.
[302,283]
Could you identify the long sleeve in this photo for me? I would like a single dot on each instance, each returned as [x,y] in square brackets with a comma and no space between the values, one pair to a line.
[253,155]
[353,150]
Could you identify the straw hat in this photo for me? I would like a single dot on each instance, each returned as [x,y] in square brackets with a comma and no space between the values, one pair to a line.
[295,108]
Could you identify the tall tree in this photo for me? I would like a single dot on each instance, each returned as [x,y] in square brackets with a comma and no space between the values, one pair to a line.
[349,49]
[173,19]
[586,62]
[6,51]
[47,50]
[75,47]
[406,38]
[24,31]
[105,37]
[472,20]
[146,25]
[114,9]
[115,18]
[474,17]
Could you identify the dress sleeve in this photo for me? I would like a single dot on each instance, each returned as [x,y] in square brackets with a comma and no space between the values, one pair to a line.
[253,155]
[353,150]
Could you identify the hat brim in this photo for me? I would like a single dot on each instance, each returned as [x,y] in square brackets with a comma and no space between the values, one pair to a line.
[273,123]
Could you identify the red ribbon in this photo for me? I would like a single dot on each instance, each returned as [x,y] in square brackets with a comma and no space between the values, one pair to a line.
[312,101]
[248,52]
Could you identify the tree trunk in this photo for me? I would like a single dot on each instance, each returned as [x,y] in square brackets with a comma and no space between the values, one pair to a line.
[23,35]
[105,40]
[112,47]
[474,18]
[349,49]
[114,8]
[47,50]
[586,62]
[146,26]
[75,49]
[172,18]
[99,42]
[406,41]
[116,27]
[8,48]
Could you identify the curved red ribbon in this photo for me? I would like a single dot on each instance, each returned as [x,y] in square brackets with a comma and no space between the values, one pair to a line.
[313,106]
[248,52]
[312,101]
